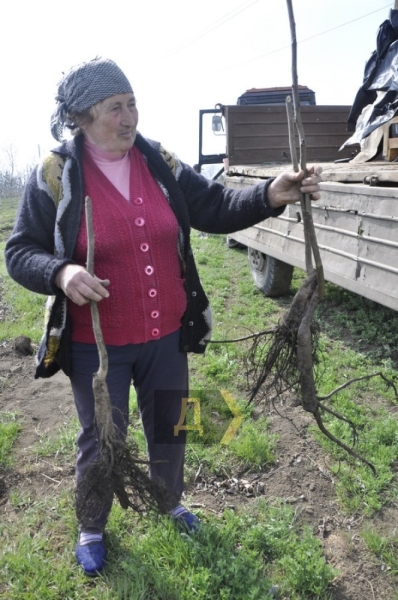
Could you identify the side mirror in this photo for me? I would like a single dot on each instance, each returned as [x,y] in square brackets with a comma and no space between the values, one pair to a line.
[217,124]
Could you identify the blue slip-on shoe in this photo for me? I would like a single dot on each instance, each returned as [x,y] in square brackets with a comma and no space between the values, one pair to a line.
[185,520]
[91,557]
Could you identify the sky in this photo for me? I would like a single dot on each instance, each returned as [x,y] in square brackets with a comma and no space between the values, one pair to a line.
[179,56]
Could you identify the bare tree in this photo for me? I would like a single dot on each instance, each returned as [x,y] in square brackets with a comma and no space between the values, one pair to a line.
[12,180]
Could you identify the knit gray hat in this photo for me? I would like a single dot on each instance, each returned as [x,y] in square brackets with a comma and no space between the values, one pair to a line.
[85,85]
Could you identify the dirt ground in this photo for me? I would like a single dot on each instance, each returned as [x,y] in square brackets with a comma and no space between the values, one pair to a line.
[301,477]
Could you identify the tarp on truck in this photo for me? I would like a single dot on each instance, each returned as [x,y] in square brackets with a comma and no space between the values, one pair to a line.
[379,91]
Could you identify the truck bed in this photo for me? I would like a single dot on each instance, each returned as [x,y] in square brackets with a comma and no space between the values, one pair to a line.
[344,172]
[356,226]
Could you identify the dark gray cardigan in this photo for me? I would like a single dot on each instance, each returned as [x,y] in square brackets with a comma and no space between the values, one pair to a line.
[45,233]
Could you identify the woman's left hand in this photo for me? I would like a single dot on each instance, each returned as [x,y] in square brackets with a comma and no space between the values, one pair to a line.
[286,188]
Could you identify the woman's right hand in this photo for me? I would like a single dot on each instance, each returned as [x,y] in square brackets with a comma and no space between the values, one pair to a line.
[79,286]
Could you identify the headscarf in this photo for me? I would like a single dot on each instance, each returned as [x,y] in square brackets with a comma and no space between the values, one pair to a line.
[85,85]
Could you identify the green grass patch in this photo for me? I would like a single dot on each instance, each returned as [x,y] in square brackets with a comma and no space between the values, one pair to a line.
[250,449]
[385,548]
[369,328]
[254,445]
[358,488]
[62,444]
[9,430]
[8,211]
[36,552]
[25,310]
[237,557]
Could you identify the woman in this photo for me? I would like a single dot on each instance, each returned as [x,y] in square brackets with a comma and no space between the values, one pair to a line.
[152,307]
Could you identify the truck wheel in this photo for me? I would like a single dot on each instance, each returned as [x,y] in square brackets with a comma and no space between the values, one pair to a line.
[271,276]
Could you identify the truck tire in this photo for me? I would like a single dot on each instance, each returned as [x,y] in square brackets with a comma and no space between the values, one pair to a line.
[271,276]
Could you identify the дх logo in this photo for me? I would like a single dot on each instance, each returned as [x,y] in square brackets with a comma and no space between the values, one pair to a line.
[205,416]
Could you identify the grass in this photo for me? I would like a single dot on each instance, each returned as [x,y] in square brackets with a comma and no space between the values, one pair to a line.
[8,211]
[252,446]
[238,557]
[364,326]
[243,553]
[63,444]
[385,547]
[359,490]
[9,429]
[377,430]
[24,309]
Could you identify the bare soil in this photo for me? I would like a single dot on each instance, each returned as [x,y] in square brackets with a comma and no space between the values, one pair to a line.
[301,477]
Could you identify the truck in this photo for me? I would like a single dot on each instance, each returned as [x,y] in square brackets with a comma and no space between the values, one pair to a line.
[356,220]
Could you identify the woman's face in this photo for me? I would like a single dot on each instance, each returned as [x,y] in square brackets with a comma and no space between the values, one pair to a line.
[115,124]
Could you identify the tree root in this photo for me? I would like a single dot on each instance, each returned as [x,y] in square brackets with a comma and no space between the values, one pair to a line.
[279,361]
[288,362]
[339,443]
[118,472]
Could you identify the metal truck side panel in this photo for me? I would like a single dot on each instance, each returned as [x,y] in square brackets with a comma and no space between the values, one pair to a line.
[356,227]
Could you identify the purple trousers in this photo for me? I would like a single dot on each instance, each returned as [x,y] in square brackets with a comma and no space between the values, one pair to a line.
[159,372]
